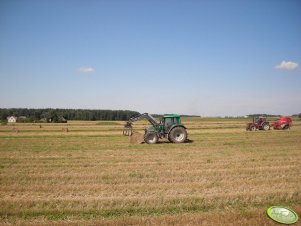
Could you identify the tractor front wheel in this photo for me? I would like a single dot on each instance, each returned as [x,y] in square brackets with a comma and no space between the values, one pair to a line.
[177,135]
[151,138]
[253,128]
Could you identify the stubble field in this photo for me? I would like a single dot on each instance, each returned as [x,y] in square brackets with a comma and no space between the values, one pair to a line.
[87,173]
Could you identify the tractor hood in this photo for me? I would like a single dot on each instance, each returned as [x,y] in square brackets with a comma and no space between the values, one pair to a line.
[151,129]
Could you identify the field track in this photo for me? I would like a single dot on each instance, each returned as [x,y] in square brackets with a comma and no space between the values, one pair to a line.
[87,173]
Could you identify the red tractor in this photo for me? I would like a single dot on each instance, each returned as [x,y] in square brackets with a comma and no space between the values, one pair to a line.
[259,123]
[283,122]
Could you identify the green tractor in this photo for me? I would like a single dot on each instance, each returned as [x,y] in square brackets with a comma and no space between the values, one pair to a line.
[169,127]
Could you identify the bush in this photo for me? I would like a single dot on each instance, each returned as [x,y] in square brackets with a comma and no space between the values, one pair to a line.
[25,120]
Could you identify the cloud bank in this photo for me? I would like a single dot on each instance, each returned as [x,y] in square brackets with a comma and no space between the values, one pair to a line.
[287,65]
[86,69]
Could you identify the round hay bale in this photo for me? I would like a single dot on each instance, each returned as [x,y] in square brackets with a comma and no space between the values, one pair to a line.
[137,138]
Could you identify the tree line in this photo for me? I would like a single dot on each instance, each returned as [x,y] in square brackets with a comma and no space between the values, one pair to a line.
[62,115]
[297,115]
[262,114]
[269,115]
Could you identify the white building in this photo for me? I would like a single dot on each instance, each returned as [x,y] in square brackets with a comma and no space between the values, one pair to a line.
[12,119]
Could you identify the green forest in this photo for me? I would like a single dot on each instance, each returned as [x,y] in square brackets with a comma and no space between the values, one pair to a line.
[63,115]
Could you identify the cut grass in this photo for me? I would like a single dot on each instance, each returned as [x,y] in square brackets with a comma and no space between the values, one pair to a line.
[93,178]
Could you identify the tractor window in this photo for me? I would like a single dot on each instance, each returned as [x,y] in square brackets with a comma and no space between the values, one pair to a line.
[259,120]
[169,122]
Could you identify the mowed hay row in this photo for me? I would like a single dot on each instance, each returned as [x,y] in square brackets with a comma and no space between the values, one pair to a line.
[56,128]
[103,179]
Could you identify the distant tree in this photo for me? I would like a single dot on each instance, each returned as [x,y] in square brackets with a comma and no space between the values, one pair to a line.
[56,115]
[4,114]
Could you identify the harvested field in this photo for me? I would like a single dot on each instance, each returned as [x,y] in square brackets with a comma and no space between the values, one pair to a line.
[92,175]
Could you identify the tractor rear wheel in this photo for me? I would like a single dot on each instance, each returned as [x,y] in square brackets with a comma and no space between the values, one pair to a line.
[177,135]
[151,138]
[266,126]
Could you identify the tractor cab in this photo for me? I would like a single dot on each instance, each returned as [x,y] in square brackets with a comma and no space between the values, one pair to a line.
[169,121]
[260,119]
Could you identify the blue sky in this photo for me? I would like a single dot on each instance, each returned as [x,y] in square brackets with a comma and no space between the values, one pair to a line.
[210,58]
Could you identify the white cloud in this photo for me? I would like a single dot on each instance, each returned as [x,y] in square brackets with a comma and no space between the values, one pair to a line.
[287,65]
[86,69]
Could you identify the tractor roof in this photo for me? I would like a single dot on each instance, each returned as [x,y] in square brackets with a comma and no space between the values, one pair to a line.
[171,116]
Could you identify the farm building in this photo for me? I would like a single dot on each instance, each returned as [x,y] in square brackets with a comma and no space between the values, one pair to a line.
[12,119]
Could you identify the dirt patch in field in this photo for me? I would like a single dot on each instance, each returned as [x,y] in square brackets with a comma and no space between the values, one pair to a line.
[136,138]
